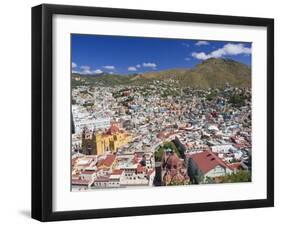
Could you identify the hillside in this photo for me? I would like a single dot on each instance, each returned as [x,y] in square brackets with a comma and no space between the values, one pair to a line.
[210,73]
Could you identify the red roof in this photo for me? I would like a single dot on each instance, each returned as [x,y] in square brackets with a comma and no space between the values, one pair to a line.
[117,172]
[207,161]
[113,129]
[108,161]
[79,182]
[88,172]
[235,165]
[135,159]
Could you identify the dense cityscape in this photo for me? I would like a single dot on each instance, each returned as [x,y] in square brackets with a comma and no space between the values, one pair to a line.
[150,112]
[159,134]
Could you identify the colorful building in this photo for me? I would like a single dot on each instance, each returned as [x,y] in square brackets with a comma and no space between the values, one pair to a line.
[97,143]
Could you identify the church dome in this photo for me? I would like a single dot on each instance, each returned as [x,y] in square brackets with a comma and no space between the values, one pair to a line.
[113,129]
[173,161]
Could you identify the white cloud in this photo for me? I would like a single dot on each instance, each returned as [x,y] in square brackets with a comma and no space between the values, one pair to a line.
[185,44]
[235,49]
[98,71]
[132,68]
[202,43]
[200,56]
[227,50]
[187,59]
[73,65]
[109,67]
[151,65]
[85,70]
[75,72]
[85,67]
[138,65]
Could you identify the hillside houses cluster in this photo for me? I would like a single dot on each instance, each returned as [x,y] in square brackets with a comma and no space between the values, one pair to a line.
[212,136]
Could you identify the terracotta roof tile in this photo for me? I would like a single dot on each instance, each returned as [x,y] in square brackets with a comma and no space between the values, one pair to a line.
[108,161]
[207,161]
[113,129]
[117,172]
[79,182]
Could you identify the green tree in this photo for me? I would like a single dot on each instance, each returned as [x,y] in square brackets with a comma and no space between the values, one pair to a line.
[240,176]
[167,145]
[158,154]
[237,100]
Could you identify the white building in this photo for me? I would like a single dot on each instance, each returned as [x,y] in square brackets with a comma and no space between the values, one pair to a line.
[92,124]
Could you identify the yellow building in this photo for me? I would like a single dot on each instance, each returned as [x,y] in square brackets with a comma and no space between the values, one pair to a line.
[97,143]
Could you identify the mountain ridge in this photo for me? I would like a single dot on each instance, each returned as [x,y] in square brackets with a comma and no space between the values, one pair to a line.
[211,73]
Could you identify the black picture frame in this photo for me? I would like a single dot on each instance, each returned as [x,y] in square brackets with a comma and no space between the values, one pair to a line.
[42,108]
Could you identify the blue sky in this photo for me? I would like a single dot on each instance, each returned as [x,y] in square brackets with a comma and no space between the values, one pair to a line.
[94,54]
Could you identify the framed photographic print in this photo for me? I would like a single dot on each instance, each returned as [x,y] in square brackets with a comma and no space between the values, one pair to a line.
[146,112]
